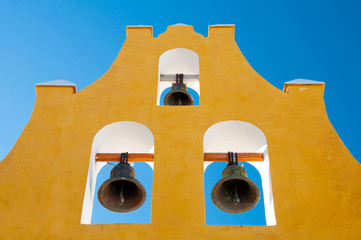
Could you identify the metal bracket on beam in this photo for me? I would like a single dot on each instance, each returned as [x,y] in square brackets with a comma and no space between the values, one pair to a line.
[132,157]
[172,77]
[242,157]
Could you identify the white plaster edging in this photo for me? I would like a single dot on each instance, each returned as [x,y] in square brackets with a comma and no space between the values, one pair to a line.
[125,136]
[178,60]
[240,136]
[303,81]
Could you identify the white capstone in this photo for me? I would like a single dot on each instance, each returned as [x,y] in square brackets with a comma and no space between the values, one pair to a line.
[180,24]
[59,82]
[303,81]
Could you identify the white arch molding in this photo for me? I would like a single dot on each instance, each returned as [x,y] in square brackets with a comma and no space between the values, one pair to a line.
[239,136]
[178,60]
[125,136]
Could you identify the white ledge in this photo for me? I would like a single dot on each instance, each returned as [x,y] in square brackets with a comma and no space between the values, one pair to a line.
[303,81]
[180,24]
[140,26]
[220,25]
[59,82]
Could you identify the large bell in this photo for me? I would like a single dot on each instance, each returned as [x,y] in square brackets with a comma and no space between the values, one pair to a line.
[235,193]
[122,192]
[178,95]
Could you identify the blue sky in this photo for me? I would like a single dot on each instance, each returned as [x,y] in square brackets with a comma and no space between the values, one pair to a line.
[79,40]
[282,40]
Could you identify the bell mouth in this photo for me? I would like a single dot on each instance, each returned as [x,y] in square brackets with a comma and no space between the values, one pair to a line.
[133,194]
[178,96]
[235,194]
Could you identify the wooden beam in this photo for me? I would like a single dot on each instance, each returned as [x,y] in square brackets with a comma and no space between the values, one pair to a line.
[149,157]
[132,157]
[242,157]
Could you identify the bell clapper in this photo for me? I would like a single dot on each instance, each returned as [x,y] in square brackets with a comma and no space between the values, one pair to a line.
[179,101]
[179,79]
[121,197]
[123,160]
[236,199]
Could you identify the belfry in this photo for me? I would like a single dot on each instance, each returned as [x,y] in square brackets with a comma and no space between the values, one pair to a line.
[200,147]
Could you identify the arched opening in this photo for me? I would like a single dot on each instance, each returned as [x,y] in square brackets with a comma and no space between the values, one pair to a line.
[178,61]
[239,136]
[125,136]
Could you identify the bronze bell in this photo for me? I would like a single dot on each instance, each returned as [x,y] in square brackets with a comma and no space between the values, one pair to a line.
[235,193]
[122,192]
[178,95]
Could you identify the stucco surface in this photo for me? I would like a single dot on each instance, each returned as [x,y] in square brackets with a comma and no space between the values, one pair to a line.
[315,179]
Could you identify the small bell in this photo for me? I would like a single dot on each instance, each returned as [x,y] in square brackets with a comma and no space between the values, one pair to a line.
[178,95]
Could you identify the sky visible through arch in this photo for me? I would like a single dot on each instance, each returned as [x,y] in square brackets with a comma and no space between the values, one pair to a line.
[282,40]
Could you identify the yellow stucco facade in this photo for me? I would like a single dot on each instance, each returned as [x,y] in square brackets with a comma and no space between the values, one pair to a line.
[315,179]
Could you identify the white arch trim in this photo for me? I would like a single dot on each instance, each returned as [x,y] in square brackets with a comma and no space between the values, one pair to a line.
[178,60]
[239,136]
[125,136]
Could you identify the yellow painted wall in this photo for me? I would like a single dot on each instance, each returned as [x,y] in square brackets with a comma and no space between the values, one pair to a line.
[316,181]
